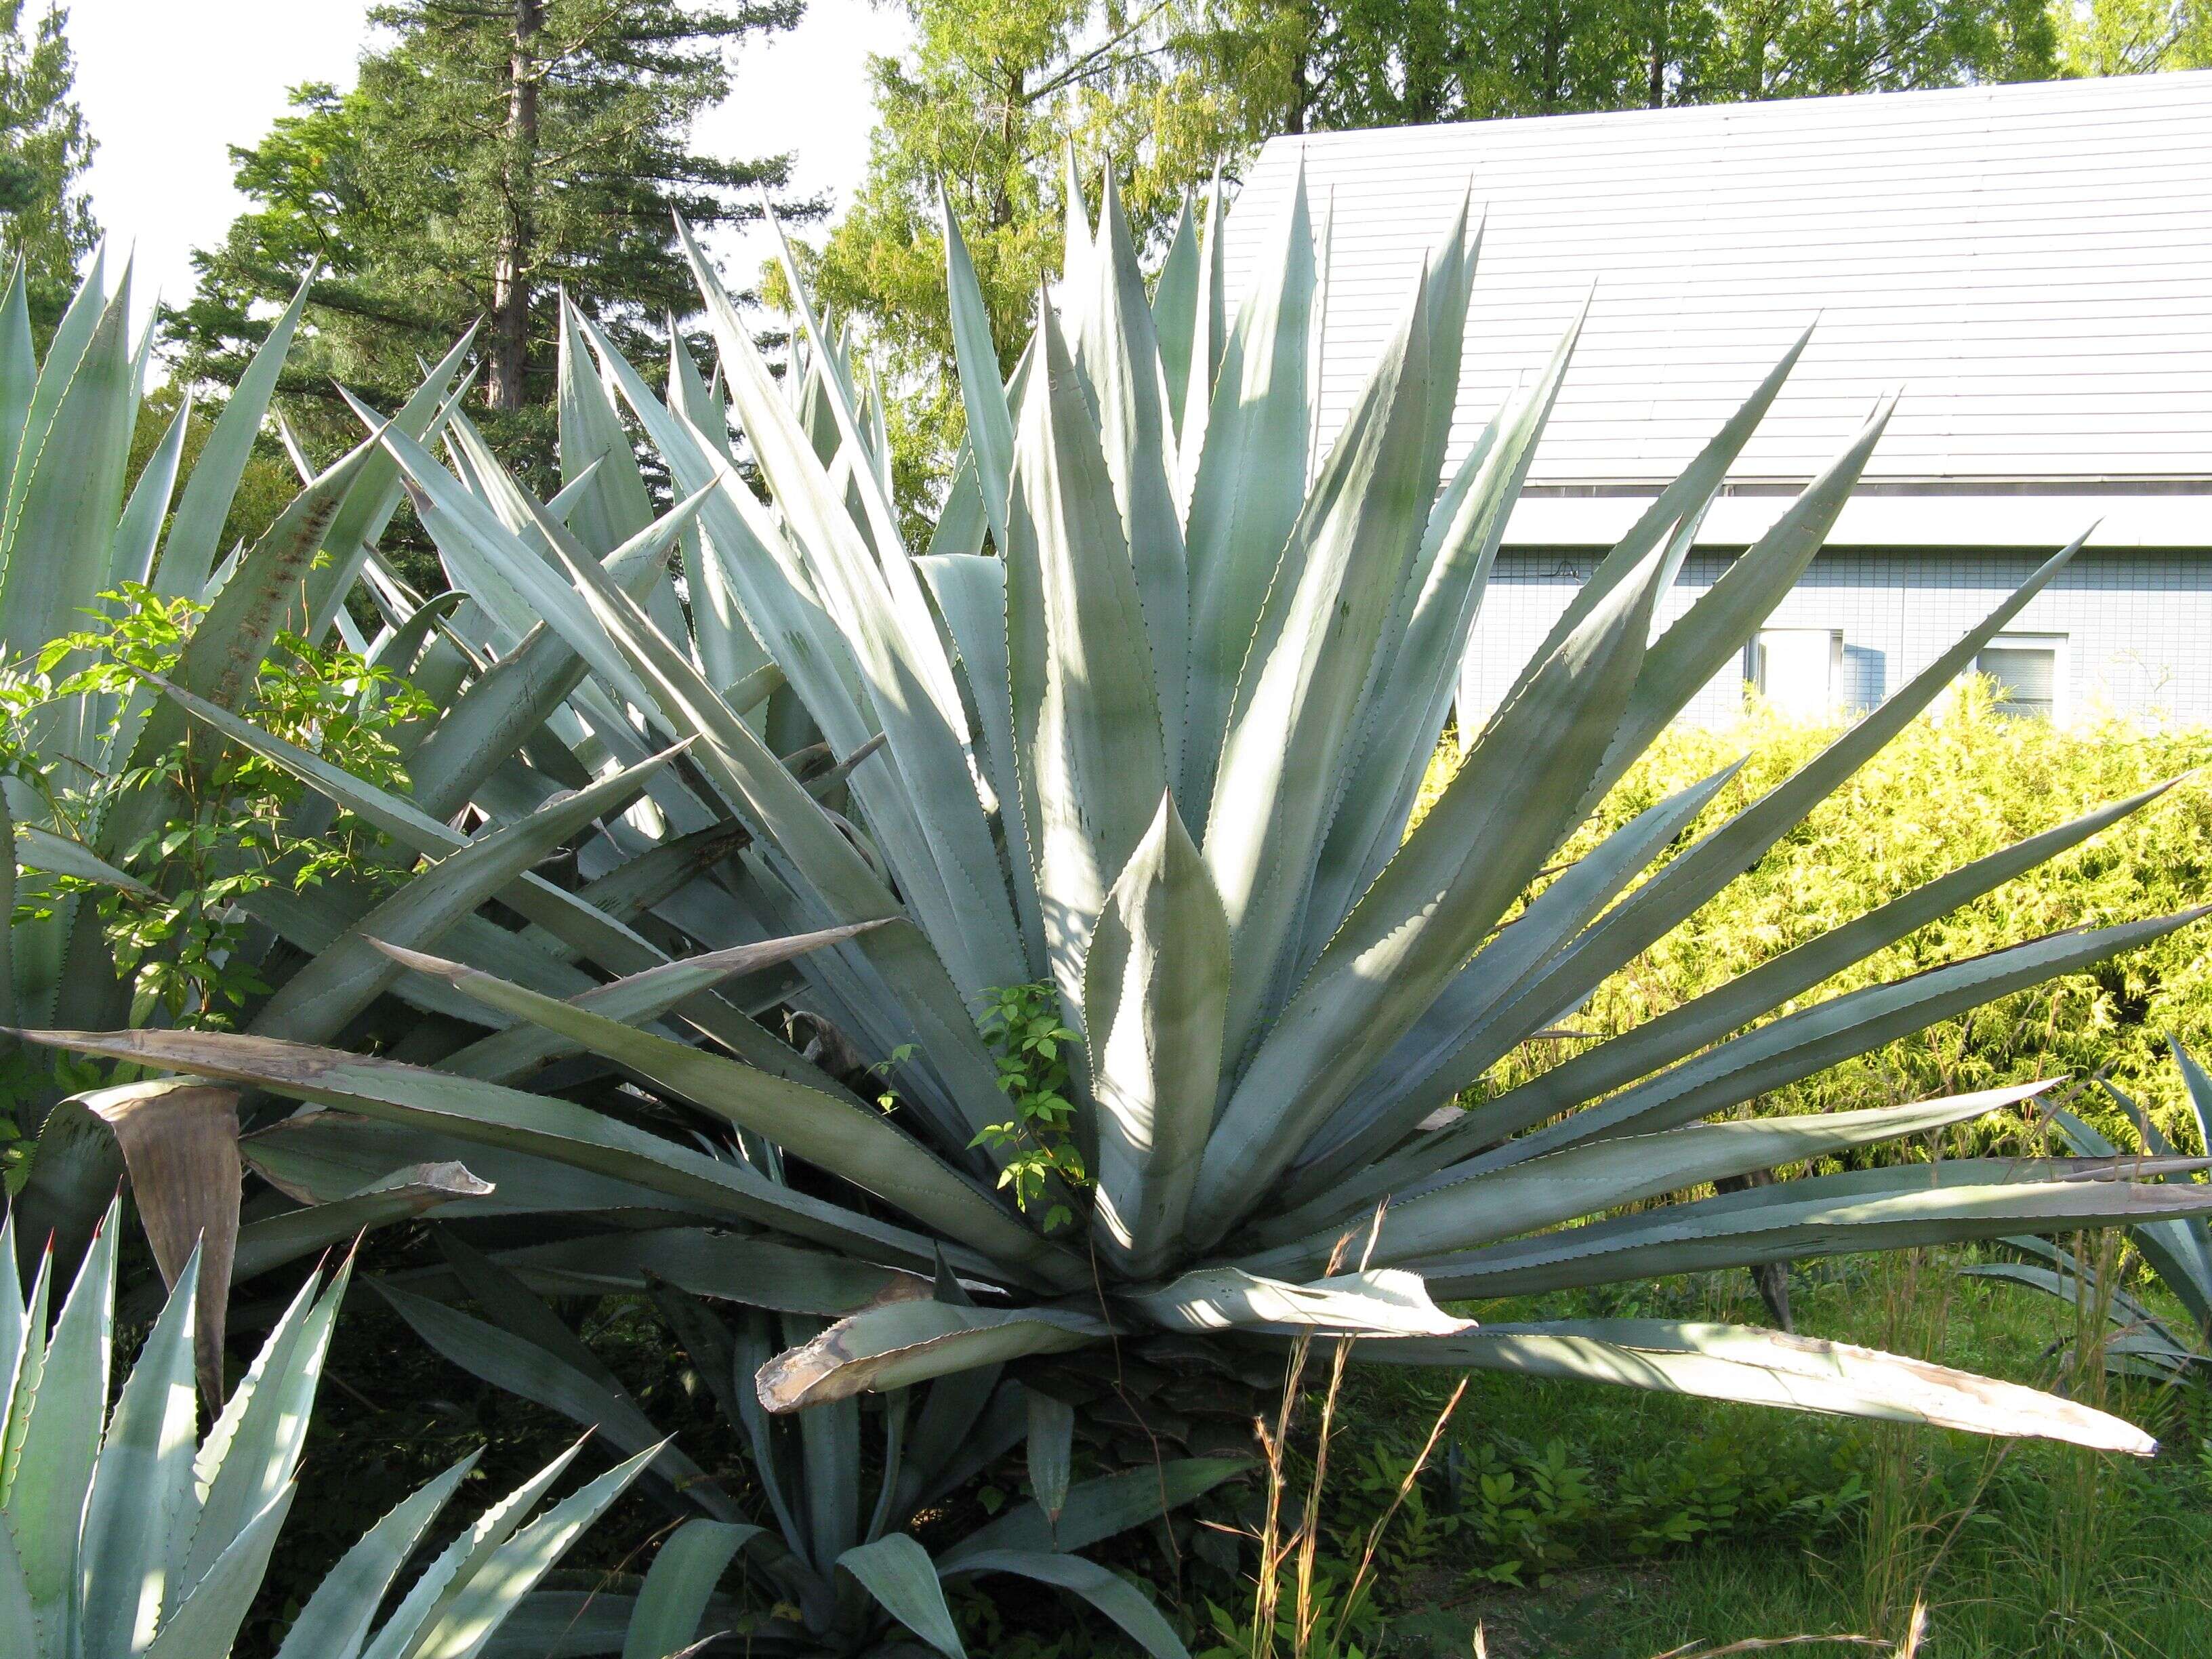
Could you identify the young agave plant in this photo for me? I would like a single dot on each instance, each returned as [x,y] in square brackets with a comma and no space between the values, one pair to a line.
[1157,750]
[2178,1252]
[841,1570]
[122,1533]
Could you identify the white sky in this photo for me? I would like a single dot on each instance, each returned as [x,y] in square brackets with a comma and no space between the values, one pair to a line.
[166,85]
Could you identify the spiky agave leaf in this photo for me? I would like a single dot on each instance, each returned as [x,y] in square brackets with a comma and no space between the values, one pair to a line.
[124,1532]
[2177,1251]
[853,1577]
[1187,813]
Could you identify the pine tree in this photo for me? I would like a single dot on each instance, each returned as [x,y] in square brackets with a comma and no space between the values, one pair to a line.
[45,218]
[493,154]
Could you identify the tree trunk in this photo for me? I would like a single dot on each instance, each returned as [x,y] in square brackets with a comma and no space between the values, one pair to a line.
[510,282]
[1017,99]
[1656,88]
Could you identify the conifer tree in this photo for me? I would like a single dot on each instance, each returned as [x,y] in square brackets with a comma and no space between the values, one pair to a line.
[493,154]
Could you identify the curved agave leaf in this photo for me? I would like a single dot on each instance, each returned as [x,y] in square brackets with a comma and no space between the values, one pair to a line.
[908,1342]
[1449,1213]
[1732,1362]
[1382,1303]
[1800,1218]
[1112,1596]
[862,1145]
[898,1572]
[477,1111]
[677,1586]
[408,1192]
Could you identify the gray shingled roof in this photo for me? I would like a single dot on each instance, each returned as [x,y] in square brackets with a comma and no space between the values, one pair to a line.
[2031,264]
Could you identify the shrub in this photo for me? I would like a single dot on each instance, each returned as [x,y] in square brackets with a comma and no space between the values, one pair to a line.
[1956,785]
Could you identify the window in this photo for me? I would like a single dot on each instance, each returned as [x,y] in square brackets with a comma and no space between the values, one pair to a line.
[2029,672]
[1799,670]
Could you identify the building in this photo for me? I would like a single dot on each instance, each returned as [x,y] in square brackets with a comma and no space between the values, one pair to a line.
[2031,264]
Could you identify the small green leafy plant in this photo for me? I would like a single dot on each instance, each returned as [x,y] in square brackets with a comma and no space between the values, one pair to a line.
[169,907]
[1031,1043]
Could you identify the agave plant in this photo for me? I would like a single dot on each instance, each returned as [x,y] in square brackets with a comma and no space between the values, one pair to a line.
[1145,727]
[839,1570]
[92,784]
[2178,1252]
[122,1533]
[74,552]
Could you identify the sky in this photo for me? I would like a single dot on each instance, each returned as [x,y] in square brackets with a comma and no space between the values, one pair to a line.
[167,85]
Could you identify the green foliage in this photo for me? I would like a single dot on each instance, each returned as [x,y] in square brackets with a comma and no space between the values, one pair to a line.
[176,929]
[46,217]
[1955,786]
[1322,1628]
[2134,37]
[1338,64]
[1033,1045]
[1497,1510]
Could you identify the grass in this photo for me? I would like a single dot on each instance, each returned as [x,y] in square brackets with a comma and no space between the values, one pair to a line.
[2022,1550]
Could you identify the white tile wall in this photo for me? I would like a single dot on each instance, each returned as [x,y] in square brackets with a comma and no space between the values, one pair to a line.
[2138,625]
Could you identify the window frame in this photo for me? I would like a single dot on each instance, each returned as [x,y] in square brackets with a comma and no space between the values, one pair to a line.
[2031,639]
